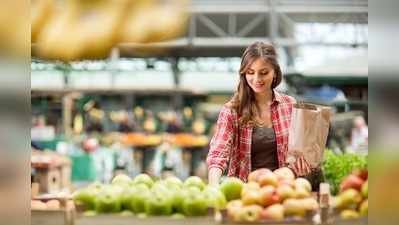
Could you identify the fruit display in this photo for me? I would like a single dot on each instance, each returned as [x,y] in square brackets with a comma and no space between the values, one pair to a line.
[269,196]
[352,200]
[337,167]
[140,139]
[144,197]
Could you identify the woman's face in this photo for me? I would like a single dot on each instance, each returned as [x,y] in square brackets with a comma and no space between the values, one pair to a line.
[260,76]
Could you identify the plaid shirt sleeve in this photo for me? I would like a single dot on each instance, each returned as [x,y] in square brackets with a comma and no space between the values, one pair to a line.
[222,141]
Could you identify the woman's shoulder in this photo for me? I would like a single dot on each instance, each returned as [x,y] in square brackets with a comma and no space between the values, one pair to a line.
[228,109]
[284,98]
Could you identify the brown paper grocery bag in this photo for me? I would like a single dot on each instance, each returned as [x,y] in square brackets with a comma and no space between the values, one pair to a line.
[308,133]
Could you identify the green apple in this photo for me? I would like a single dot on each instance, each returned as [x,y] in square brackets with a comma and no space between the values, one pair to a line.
[179,196]
[231,188]
[108,201]
[87,196]
[139,197]
[194,181]
[158,204]
[173,182]
[302,183]
[365,189]
[121,179]
[128,196]
[215,198]
[143,179]
[195,205]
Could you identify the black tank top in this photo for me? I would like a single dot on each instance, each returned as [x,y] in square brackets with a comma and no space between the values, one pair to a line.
[263,149]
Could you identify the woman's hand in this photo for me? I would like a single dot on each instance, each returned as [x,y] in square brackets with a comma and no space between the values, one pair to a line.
[301,167]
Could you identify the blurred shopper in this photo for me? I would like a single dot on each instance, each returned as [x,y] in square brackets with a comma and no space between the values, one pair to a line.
[252,128]
[168,159]
[126,125]
[360,134]
[173,126]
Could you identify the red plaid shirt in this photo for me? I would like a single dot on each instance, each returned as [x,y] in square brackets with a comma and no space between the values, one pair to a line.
[233,147]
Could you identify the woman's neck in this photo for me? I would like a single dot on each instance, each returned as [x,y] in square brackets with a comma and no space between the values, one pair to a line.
[264,98]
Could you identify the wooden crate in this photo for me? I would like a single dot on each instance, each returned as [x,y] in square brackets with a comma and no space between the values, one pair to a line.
[129,220]
[49,179]
[52,217]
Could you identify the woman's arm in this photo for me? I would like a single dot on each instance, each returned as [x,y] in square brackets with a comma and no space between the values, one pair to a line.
[220,146]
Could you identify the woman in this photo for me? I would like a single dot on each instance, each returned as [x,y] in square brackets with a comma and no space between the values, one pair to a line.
[252,128]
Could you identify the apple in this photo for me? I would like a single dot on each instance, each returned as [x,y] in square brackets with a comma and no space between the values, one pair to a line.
[128,196]
[268,179]
[214,197]
[232,188]
[274,212]
[249,213]
[288,182]
[285,192]
[364,208]
[303,183]
[194,181]
[195,205]
[179,196]
[121,179]
[301,192]
[349,214]
[173,182]
[347,198]
[139,197]
[284,173]
[365,189]
[351,181]
[362,174]
[294,207]
[87,196]
[158,204]
[233,207]
[249,186]
[266,195]
[108,200]
[310,204]
[143,179]
[251,197]
[254,175]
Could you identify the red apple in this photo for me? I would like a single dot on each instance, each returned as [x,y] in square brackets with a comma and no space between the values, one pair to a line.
[268,179]
[284,173]
[351,181]
[288,182]
[266,194]
[274,212]
[362,174]
[254,175]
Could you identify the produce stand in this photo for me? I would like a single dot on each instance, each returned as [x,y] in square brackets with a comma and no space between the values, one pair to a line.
[65,215]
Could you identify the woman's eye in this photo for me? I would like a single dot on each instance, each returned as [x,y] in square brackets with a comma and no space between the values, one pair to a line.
[250,72]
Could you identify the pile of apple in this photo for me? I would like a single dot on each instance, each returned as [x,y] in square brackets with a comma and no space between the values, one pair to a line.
[142,196]
[269,196]
[352,200]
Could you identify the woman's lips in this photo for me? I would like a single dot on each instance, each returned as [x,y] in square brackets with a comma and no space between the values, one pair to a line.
[259,85]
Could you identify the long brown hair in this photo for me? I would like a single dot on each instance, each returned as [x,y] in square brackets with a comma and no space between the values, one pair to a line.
[243,101]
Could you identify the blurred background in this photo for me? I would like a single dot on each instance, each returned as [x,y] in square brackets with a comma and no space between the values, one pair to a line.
[136,86]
